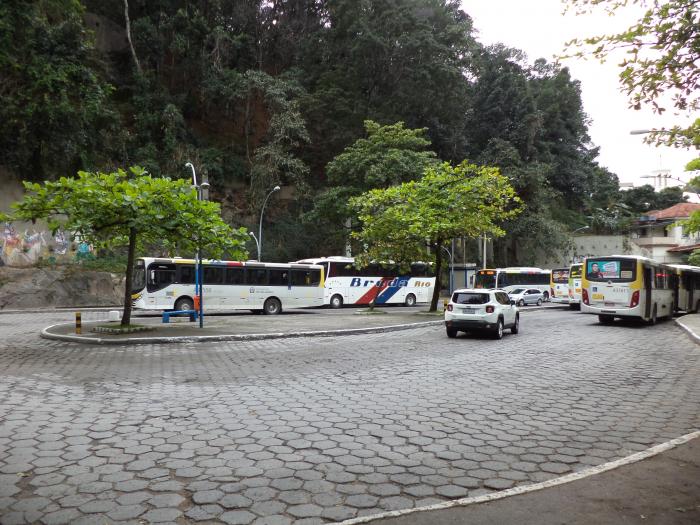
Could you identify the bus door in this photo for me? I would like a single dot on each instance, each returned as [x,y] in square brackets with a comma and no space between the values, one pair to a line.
[675,284]
[690,288]
[648,283]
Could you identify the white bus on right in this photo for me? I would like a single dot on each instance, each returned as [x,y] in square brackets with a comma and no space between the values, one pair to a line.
[626,286]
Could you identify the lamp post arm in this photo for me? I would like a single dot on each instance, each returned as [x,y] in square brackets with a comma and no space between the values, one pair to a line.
[262,210]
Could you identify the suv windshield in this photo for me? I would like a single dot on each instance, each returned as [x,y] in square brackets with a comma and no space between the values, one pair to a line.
[517,291]
[611,269]
[470,298]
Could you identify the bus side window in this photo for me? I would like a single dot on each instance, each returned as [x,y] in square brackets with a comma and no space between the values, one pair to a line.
[185,274]
[160,276]
[279,278]
[235,276]
[213,275]
[256,276]
[306,277]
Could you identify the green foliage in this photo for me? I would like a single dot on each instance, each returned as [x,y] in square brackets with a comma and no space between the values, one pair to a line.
[389,155]
[127,208]
[54,106]
[662,50]
[410,221]
[694,258]
[643,199]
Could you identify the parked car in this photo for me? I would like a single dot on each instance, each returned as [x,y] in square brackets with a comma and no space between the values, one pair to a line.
[479,309]
[523,296]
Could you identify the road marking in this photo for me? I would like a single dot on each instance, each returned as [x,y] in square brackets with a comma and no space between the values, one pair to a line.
[611,465]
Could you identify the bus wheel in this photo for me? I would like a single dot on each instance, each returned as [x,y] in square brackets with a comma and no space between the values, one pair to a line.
[606,319]
[184,303]
[272,306]
[337,301]
[410,300]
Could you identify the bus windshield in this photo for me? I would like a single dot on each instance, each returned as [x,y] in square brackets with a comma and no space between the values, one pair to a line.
[138,280]
[485,279]
[575,271]
[611,269]
[560,276]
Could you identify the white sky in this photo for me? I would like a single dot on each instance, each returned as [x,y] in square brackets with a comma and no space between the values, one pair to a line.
[540,28]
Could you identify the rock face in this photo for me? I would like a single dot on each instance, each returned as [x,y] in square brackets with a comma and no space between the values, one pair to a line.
[55,288]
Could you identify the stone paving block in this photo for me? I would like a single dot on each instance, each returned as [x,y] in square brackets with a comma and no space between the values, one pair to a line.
[237,517]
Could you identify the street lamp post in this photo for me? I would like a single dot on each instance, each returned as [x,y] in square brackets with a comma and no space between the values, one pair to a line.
[198,277]
[580,229]
[449,254]
[262,210]
[256,243]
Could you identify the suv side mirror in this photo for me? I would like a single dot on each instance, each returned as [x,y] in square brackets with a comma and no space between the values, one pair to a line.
[512,302]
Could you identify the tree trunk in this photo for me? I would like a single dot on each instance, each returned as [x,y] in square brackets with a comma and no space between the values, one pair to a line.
[126,316]
[438,277]
[128,37]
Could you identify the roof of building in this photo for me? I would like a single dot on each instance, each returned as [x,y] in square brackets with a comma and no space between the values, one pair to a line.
[686,248]
[677,211]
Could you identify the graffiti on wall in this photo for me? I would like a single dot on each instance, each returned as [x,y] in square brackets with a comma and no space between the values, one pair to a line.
[31,247]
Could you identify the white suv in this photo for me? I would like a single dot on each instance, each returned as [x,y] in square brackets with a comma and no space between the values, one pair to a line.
[479,309]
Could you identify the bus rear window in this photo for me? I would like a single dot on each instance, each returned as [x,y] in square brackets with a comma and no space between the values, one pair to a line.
[560,276]
[485,279]
[575,272]
[615,270]
[470,298]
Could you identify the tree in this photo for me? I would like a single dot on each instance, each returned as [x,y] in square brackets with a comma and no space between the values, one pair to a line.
[662,51]
[131,208]
[389,155]
[54,106]
[694,258]
[414,221]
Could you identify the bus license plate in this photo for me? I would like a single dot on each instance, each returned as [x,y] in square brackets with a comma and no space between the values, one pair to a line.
[598,296]
[610,305]
[468,310]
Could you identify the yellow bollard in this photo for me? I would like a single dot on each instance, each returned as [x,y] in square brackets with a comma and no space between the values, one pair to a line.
[78,323]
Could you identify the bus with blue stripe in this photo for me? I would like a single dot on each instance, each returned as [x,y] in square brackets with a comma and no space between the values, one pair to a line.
[381,284]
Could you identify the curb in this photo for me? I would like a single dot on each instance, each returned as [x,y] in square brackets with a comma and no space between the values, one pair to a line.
[46,334]
[60,310]
[525,489]
[692,335]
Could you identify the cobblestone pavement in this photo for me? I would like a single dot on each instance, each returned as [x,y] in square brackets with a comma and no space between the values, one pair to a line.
[324,429]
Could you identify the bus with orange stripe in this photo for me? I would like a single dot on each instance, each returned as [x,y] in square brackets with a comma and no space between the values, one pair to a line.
[348,284]
[169,284]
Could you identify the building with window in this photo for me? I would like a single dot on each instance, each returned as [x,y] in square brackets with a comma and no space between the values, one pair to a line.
[660,237]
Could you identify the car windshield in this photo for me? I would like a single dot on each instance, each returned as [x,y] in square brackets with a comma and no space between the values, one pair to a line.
[517,291]
[470,298]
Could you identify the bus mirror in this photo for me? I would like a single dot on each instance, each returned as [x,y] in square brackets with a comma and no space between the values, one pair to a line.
[153,276]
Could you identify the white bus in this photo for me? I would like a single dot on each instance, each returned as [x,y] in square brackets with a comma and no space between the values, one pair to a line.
[559,285]
[383,283]
[575,285]
[626,286]
[510,278]
[686,288]
[169,284]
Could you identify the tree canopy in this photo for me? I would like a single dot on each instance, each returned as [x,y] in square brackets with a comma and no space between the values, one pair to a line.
[327,98]
[132,208]
[413,221]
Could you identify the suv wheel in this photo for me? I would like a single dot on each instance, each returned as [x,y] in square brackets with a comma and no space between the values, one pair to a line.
[498,333]
[451,333]
[516,325]
[539,302]
[521,303]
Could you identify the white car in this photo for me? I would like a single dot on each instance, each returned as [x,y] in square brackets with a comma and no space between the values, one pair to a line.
[480,309]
